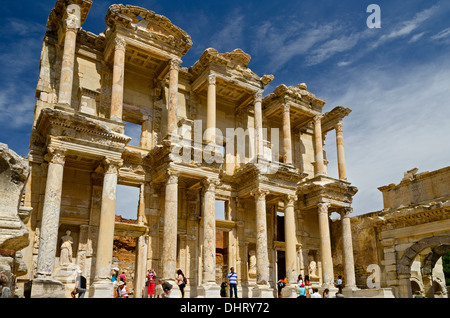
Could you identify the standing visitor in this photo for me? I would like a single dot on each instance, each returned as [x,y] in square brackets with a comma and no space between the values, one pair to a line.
[315,293]
[326,293]
[151,282]
[302,291]
[122,277]
[280,285]
[123,290]
[300,280]
[114,278]
[80,285]
[181,282]
[307,284]
[339,282]
[233,281]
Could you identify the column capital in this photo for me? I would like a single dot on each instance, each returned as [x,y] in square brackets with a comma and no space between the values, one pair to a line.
[259,194]
[289,199]
[120,44]
[258,95]
[339,126]
[323,207]
[56,155]
[209,184]
[175,64]
[211,79]
[345,212]
[172,177]
[317,119]
[111,165]
[286,107]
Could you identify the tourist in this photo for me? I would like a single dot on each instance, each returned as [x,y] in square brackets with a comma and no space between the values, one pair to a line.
[300,280]
[166,287]
[339,282]
[122,277]
[80,286]
[326,293]
[302,291]
[280,285]
[315,293]
[114,278]
[233,281]
[123,290]
[307,284]
[181,282]
[151,282]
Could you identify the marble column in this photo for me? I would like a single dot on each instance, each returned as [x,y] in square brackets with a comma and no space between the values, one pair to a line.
[211,110]
[325,246]
[318,146]
[290,239]
[71,25]
[172,119]
[146,133]
[287,140]
[169,248]
[340,150]
[118,79]
[48,239]
[259,124]
[349,264]
[209,231]
[102,286]
[262,256]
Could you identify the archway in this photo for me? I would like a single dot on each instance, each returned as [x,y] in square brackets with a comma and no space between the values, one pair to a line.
[432,248]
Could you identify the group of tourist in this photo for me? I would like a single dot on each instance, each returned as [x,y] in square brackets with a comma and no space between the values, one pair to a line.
[119,283]
[304,290]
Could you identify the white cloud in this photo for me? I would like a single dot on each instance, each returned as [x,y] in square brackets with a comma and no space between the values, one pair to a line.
[399,121]
[443,35]
[230,36]
[416,37]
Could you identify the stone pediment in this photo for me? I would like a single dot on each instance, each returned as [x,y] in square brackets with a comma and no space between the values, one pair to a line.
[157,26]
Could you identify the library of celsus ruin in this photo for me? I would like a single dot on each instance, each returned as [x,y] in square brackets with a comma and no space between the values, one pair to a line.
[209,133]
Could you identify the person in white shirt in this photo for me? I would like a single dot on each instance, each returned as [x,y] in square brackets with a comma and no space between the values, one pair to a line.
[315,293]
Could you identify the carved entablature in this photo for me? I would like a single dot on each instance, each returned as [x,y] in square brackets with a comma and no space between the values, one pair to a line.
[340,193]
[64,127]
[333,118]
[59,12]
[149,24]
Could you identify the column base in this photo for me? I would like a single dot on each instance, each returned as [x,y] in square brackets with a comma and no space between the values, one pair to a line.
[101,289]
[263,291]
[47,288]
[289,291]
[209,290]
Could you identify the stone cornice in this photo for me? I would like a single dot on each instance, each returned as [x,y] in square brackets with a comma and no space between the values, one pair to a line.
[157,26]
[295,94]
[59,11]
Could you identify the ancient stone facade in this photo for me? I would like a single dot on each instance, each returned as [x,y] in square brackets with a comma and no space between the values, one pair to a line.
[406,240]
[277,199]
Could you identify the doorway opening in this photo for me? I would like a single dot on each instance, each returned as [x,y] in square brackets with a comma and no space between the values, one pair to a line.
[281,265]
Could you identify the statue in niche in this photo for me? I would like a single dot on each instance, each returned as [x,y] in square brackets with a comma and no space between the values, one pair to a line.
[65,257]
[312,268]
[252,263]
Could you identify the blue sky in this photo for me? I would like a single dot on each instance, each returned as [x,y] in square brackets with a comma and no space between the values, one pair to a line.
[396,79]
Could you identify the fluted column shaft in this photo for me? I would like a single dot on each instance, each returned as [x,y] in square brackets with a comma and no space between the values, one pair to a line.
[325,245]
[211,110]
[209,231]
[172,124]
[71,25]
[259,124]
[169,254]
[118,80]
[290,239]
[287,140]
[50,215]
[105,241]
[349,264]
[340,150]
[262,256]
[318,146]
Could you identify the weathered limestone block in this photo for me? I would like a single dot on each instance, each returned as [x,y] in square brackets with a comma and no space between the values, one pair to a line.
[13,233]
